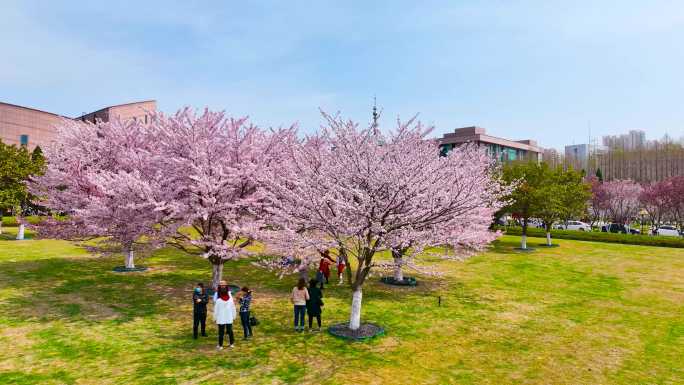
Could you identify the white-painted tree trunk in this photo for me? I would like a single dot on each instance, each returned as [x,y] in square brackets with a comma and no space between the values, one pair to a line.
[523,242]
[216,275]
[0,223]
[355,319]
[304,272]
[548,238]
[130,264]
[20,233]
[398,272]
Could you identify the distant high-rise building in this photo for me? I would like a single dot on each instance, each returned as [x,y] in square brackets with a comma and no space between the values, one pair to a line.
[632,140]
[577,156]
[552,157]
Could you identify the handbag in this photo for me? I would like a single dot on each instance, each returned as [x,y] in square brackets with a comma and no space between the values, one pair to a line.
[253,321]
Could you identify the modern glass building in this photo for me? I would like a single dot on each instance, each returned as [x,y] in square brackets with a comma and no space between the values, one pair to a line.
[503,150]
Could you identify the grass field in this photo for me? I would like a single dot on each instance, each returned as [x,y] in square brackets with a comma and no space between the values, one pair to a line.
[583,313]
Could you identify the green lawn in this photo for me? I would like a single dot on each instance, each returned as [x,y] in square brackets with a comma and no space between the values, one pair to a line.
[583,313]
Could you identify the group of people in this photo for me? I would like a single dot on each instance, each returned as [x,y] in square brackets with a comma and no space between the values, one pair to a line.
[306,300]
[309,300]
[323,273]
[225,312]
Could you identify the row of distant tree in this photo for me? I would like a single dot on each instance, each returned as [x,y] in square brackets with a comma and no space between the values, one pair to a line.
[558,194]
[659,160]
[623,201]
[542,192]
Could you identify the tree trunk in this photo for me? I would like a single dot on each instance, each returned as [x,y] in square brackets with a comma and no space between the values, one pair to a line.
[1,221]
[20,233]
[129,264]
[216,274]
[398,272]
[355,319]
[523,239]
[548,238]
[304,272]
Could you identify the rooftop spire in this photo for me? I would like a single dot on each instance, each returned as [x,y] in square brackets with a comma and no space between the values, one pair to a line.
[376,115]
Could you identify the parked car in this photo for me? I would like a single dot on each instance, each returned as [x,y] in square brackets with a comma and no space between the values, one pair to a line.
[619,228]
[574,225]
[667,230]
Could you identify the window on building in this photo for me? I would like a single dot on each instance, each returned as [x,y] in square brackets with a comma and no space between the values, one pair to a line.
[512,154]
[23,140]
[445,148]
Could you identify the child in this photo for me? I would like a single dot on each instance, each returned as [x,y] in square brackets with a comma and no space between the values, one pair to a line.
[341,264]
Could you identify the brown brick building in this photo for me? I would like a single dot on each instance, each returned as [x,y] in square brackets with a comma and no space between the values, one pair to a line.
[24,126]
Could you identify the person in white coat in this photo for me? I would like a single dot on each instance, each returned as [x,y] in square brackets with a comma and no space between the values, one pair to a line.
[224,314]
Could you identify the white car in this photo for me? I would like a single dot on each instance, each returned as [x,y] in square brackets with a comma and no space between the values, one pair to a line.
[574,225]
[668,231]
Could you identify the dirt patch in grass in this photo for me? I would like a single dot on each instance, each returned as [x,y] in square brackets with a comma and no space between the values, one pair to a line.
[89,309]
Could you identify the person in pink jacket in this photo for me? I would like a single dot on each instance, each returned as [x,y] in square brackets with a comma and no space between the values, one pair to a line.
[300,295]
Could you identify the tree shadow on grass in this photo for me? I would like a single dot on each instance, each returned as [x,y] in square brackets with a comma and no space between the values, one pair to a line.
[85,289]
[5,236]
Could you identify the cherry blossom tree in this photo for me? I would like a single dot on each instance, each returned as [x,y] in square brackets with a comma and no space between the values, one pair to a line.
[93,178]
[622,198]
[212,203]
[598,203]
[363,192]
[676,200]
[656,200]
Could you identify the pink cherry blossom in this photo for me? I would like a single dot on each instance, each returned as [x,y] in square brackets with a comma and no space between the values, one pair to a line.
[363,192]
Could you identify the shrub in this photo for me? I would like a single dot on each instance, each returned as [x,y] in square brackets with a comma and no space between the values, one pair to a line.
[12,221]
[597,236]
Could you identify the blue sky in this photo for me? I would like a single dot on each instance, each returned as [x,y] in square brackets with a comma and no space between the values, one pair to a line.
[521,69]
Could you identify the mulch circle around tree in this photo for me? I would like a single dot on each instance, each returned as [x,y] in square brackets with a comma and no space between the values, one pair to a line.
[233,289]
[364,332]
[527,250]
[407,281]
[124,269]
[545,245]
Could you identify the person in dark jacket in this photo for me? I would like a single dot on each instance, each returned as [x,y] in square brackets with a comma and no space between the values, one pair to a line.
[314,303]
[199,310]
[244,297]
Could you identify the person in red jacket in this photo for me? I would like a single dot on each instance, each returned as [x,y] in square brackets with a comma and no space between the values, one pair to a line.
[324,267]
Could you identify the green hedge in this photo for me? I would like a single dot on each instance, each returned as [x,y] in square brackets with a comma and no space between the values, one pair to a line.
[597,236]
[12,221]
